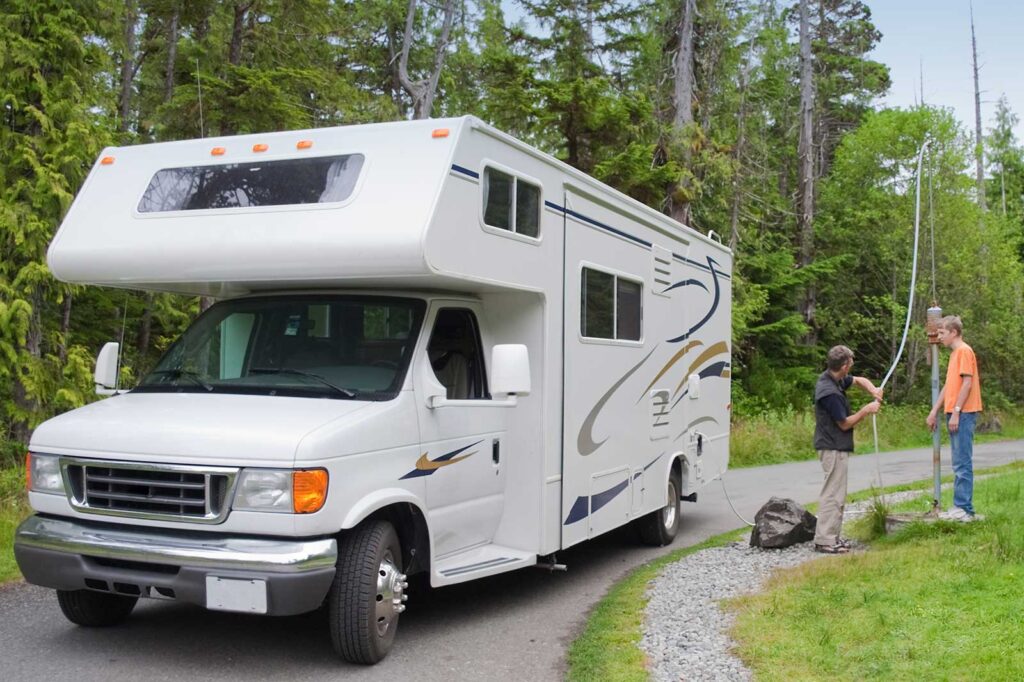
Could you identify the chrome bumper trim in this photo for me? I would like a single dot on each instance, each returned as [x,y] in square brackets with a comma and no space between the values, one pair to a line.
[200,550]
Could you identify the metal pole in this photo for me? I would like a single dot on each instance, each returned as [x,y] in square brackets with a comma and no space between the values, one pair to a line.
[934,316]
[937,434]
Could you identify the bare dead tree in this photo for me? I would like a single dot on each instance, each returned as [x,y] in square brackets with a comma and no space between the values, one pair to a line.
[979,150]
[683,94]
[131,17]
[172,54]
[424,90]
[805,155]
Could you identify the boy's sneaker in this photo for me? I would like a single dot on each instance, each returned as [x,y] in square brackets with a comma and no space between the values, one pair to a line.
[956,514]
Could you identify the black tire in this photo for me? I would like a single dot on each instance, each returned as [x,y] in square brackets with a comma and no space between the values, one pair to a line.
[659,528]
[95,609]
[368,593]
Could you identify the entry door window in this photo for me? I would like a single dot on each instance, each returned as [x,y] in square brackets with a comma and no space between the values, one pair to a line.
[456,355]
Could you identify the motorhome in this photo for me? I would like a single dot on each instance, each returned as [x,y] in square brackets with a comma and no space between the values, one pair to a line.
[434,349]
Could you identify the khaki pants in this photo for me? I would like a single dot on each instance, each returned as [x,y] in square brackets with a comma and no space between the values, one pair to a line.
[832,498]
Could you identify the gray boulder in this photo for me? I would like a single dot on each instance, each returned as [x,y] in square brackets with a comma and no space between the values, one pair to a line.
[781,523]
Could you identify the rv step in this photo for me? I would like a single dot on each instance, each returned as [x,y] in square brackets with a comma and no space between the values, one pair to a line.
[479,562]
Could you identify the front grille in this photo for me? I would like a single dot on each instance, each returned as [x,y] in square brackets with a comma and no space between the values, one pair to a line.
[183,493]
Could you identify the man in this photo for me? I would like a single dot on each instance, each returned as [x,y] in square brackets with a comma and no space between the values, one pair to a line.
[961,400]
[833,439]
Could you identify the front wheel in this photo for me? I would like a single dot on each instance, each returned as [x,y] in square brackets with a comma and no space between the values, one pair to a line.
[95,609]
[660,527]
[368,593]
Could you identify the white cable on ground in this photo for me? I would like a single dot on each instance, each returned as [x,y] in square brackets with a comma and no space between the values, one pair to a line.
[721,477]
[910,305]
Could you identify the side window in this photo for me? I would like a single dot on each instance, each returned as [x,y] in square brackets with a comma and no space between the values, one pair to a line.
[611,306]
[456,355]
[511,203]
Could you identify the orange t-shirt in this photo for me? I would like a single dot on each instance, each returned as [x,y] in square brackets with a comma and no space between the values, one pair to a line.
[962,362]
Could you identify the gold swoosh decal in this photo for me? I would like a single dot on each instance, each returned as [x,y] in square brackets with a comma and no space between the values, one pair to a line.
[712,351]
[667,367]
[425,464]
[585,444]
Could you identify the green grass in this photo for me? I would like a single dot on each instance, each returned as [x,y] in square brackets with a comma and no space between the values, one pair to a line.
[608,648]
[782,436]
[13,508]
[933,601]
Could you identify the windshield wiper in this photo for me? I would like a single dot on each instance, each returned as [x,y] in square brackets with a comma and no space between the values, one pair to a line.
[178,372]
[302,373]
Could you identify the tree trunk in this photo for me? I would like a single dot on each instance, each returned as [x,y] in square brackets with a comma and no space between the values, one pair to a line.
[423,91]
[65,326]
[682,121]
[805,154]
[172,55]
[131,17]
[146,326]
[237,33]
[738,152]
[979,151]
[21,431]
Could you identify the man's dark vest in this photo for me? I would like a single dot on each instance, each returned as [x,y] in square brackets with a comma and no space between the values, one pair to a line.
[827,434]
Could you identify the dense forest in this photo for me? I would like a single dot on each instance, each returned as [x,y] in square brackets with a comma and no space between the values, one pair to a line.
[755,119]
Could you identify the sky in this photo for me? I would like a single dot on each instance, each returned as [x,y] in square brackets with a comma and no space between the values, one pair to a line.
[935,35]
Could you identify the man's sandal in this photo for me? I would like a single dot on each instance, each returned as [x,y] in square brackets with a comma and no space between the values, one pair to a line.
[832,549]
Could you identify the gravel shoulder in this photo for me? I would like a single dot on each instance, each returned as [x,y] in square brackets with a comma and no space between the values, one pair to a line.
[685,628]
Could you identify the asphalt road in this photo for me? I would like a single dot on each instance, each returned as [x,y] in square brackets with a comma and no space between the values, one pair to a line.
[511,627]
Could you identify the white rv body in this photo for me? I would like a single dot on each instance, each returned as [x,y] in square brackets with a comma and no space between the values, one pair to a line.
[625,388]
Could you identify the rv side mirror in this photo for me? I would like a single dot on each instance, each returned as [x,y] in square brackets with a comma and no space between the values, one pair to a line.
[105,376]
[510,369]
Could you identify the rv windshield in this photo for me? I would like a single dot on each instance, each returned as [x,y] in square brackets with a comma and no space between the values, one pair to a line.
[343,347]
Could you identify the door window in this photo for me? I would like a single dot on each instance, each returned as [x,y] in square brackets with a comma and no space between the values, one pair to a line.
[456,355]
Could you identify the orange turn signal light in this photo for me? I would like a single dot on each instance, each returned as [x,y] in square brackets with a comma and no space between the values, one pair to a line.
[309,490]
[217,151]
[439,132]
[260,147]
[28,471]
[304,144]
[107,160]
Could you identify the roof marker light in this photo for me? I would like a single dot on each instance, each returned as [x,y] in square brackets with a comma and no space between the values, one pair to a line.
[217,151]
[107,160]
[439,132]
[304,144]
[260,147]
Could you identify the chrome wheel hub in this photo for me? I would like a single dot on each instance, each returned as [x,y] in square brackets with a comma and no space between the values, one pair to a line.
[671,510]
[391,596]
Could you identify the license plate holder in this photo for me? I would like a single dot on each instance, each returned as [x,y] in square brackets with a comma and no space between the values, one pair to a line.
[248,595]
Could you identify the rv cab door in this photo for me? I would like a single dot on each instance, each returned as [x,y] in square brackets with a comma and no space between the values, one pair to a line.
[463,436]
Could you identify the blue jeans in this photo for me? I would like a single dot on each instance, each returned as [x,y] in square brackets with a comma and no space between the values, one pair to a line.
[961,442]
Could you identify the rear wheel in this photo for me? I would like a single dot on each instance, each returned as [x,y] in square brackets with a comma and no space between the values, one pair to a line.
[95,609]
[660,527]
[368,593]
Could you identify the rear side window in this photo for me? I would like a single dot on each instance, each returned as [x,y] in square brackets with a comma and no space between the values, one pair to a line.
[511,203]
[316,180]
[611,307]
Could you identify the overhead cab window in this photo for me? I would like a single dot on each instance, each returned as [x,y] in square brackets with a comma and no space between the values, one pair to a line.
[511,203]
[315,180]
[611,306]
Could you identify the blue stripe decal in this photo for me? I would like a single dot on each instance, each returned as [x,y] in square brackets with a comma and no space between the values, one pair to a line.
[465,171]
[609,228]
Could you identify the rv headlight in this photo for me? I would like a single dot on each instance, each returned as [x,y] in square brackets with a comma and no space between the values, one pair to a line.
[296,491]
[267,490]
[44,474]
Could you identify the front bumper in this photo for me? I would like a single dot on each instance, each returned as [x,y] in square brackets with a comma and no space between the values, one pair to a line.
[74,555]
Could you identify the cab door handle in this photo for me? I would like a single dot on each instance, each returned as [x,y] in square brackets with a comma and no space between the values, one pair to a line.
[496,451]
